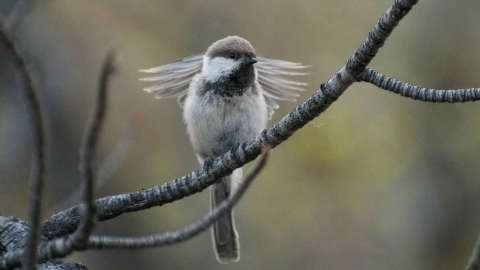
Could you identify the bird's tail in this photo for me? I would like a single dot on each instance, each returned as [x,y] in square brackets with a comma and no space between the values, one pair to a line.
[224,234]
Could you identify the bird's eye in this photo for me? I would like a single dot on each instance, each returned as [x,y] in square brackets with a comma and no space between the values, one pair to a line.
[232,56]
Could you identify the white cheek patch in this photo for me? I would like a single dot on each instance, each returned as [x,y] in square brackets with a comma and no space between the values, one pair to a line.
[214,69]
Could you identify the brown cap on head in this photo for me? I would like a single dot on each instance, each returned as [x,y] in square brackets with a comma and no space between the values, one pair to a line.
[231,47]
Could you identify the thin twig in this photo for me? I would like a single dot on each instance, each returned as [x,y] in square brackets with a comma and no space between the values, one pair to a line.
[38,163]
[63,246]
[418,93]
[168,238]
[87,153]
[474,262]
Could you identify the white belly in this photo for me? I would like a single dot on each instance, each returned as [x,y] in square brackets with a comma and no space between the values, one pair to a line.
[215,124]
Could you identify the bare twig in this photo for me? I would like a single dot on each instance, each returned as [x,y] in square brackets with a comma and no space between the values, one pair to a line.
[168,238]
[474,262]
[38,139]
[87,152]
[417,93]
[63,246]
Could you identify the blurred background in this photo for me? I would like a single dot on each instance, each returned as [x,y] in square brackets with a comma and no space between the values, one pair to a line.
[377,182]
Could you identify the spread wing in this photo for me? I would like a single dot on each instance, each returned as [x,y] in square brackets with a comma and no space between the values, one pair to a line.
[275,85]
[174,78]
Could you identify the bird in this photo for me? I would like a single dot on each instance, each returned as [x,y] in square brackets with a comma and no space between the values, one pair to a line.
[227,94]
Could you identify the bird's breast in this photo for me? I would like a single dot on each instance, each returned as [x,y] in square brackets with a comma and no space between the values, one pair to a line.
[216,123]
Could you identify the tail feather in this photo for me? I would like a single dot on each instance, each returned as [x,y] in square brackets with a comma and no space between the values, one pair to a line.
[224,233]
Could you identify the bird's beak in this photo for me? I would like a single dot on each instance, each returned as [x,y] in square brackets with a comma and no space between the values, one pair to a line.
[250,61]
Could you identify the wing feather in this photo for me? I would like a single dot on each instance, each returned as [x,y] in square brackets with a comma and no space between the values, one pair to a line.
[277,63]
[275,85]
[173,79]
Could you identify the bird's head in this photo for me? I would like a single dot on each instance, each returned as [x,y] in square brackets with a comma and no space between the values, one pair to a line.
[231,58]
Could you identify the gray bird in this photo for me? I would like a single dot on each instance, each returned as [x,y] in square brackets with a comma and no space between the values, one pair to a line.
[227,94]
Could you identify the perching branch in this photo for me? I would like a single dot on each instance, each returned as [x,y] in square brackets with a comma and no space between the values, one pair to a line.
[62,225]
[168,238]
[113,206]
[417,93]
[109,207]
[38,144]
